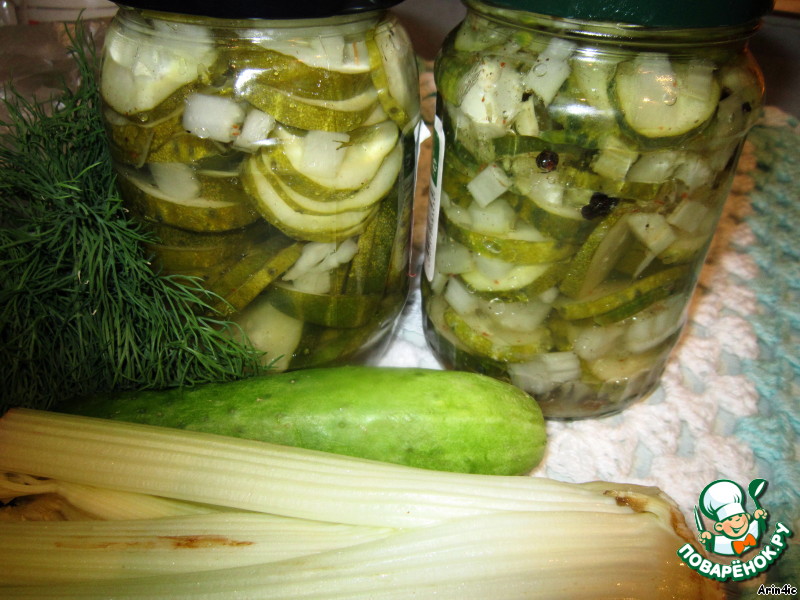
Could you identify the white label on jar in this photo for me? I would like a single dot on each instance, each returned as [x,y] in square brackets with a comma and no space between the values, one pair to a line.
[437,160]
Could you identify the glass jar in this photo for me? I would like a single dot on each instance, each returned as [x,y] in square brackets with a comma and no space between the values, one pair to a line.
[273,158]
[579,171]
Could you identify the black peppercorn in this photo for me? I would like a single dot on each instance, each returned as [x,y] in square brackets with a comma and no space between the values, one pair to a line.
[600,205]
[547,160]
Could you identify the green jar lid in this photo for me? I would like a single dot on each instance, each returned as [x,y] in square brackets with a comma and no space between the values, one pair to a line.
[673,14]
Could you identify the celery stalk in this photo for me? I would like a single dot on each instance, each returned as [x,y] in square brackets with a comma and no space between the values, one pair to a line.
[248,475]
[433,535]
[505,555]
[34,553]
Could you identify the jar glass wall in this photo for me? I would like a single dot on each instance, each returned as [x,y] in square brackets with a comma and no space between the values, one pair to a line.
[273,160]
[584,168]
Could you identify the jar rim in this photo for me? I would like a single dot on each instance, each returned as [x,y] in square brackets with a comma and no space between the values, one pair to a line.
[675,14]
[247,9]
[618,33]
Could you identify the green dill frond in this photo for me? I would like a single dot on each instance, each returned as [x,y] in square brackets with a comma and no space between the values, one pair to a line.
[81,310]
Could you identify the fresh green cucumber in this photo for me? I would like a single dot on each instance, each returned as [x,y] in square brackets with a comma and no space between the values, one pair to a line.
[443,420]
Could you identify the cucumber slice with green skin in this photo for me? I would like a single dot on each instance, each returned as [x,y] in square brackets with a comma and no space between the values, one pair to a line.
[310,113]
[617,368]
[129,143]
[598,255]
[493,343]
[259,66]
[269,330]
[195,214]
[370,267]
[663,100]
[591,76]
[241,280]
[519,277]
[321,345]
[617,187]
[183,147]
[343,52]
[617,300]
[313,200]
[516,145]
[509,249]
[330,310]
[393,67]
[541,281]
[182,251]
[140,71]
[564,225]
[448,347]
[685,249]
[363,155]
[182,259]
[271,201]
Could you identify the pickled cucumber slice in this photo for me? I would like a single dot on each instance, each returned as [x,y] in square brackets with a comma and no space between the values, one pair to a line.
[269,330]
[141,70]
[129,143]
[659,99]
[173,236]
[618,187]
[487,340]
[363,155]
[130,140]
[617,300]
[519,277]
[547,203]
[564,225]
[187,252]
[261,66]
[330,310]
[241,280]
[181,259]
[370,266]
[627,366]
[598,255]
[309,113]
[447,346]
[201,214]
[516,145]
[344,53]
[685,249]
[270,197]
[320,345]
[182,251]
[394,74]
[509,248]
[310,198]
[183,147]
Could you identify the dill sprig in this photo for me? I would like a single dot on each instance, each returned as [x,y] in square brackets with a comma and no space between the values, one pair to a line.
[81,310]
